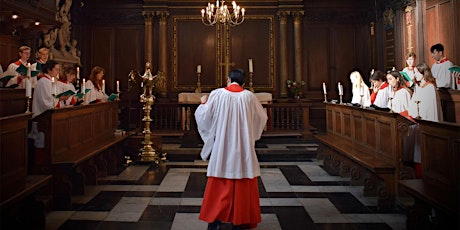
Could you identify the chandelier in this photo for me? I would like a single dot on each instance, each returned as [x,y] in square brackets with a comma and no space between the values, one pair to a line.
[220,13]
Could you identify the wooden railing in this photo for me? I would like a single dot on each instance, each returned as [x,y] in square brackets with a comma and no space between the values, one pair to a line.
[284,119]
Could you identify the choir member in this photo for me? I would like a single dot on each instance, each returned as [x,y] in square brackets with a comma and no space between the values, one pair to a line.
[96,86]
[380,94]
[360,90]
[425,102]
[399,93]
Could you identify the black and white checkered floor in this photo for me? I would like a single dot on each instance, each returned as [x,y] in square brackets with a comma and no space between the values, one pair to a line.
[295,193]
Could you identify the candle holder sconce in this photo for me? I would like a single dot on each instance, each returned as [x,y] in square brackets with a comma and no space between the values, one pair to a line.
[28,104]
[198,83]
[418,110]
[250,82]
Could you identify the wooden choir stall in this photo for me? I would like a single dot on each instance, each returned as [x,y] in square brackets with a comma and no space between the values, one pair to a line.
[80,145]
[375,149]
[20,191]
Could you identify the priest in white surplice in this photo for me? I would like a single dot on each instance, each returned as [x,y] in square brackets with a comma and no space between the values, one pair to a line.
[229,121]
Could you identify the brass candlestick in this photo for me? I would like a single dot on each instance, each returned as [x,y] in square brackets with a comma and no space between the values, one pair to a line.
[198,83]
[147,81]
[250,82]
[418,110]
[54,101]
[28,104]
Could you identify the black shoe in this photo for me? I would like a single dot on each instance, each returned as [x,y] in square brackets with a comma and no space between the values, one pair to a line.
[238,227]
[214,225]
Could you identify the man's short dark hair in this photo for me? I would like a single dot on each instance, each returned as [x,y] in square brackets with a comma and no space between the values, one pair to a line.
[439,47]
[48,66]
[237,75]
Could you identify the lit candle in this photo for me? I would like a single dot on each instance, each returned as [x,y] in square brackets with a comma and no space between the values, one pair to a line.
[53,81]
[118,86]
[103,86]
[28,70]
[340,89]
[83,87]
[28,88]
[251,68]
[78,73]
[324,88]
[198,69]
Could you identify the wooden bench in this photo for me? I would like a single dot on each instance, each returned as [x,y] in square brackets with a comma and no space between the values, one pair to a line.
[73,172]
[80,145]
[436,195]
[364,167]
[365,145]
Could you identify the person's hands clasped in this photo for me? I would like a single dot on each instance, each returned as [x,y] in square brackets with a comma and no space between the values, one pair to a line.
[204,99]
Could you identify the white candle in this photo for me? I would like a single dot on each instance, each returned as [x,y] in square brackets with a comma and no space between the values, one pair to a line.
[251,68]
[78,73]
[340,88]
[198,69]
[53,81]
[28,88]
[28,70]
[103,86]
[324,88]
[118,86]
[83,87]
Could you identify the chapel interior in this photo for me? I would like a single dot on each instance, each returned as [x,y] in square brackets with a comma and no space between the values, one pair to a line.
[160,57]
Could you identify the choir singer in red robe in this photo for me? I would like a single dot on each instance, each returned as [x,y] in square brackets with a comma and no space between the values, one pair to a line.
[229,121]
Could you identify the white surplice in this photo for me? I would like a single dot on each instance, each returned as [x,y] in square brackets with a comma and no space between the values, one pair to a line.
[94,94]
[400,101]
[63,87]
[381,100]
[429,107]
[365,100]
[441,72]
[229,124]
[43,99]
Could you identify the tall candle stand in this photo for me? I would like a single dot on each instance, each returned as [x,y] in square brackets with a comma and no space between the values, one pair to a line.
[418,110]
[198,83]
[28,104]
[250,82]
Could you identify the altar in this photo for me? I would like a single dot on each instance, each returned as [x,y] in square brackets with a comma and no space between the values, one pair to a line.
[195,98]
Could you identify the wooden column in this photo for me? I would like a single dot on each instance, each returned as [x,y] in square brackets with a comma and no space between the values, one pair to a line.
[298,45]
[163,44]
[283,52]
[148,40]
[163,56]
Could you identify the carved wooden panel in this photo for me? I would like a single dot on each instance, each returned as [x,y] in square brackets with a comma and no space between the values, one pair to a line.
[194,44]
[255,39]
[13,154]
[440,28]
[440,145]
